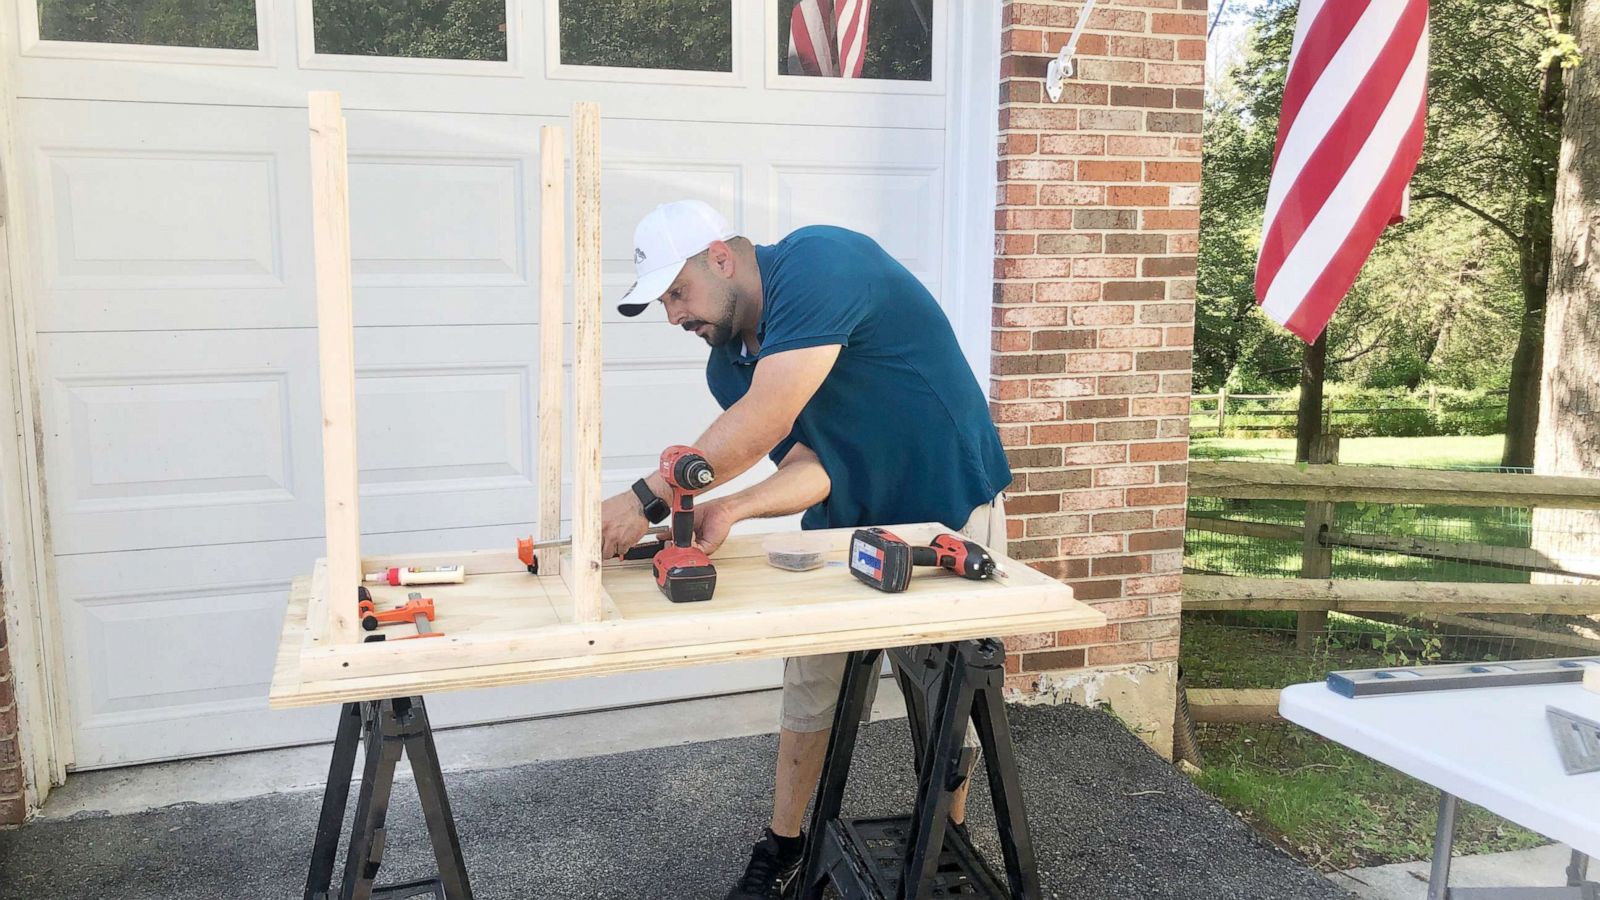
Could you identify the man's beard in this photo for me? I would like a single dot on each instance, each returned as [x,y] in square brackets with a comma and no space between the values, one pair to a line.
[721,330]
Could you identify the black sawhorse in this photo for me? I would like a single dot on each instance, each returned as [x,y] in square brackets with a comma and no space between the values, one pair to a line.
[918,857]
[388,728]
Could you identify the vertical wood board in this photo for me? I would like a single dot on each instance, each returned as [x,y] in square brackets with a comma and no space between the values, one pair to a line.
[552,376]
[330,231]
[586,546]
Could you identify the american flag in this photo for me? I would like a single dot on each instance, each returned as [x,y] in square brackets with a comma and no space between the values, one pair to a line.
[828,37]
[1349,139]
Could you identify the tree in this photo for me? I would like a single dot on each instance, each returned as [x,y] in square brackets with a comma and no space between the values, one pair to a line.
[1495,105]
[1569,431]
[1471,261]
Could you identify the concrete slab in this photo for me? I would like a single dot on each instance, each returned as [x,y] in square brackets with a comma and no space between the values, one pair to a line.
[1540,867]
[1110,820]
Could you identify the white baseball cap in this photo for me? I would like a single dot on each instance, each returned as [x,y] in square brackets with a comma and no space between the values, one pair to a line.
[663,242]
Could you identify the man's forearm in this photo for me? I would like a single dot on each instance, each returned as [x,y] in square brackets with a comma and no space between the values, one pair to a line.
[781,386]
[799,484]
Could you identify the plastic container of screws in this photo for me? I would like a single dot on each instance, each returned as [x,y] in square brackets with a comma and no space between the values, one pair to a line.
[795,551]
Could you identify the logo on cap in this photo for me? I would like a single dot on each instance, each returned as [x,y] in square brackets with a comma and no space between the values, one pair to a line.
[638,255]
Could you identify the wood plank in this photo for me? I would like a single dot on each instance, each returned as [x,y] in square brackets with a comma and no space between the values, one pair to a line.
[1268,531]
[1383,484]
[1523,559]
[1316,561]
[1225,592]
[289,689]
[552,328]
[1248,706]
[586,544]
[317,626]
[330,235]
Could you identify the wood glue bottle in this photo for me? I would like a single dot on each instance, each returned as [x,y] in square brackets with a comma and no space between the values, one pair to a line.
[420,575]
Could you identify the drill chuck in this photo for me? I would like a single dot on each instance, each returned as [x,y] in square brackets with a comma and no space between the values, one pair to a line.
[693,472]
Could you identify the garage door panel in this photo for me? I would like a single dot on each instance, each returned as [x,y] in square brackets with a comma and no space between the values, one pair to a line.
[446,426]
[182,221]
[900,206]
[438,222]
[176,638]
[440,213]
[151,441]
[163,217]
[175,438]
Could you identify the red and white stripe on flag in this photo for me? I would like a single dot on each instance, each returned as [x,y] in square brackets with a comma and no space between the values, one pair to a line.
[828,37]
[1349,138]
[851,26]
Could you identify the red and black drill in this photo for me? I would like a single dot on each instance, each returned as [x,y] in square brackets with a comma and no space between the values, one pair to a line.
[683,572]
[883,560]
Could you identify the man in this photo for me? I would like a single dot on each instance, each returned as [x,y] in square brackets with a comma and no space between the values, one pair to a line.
[831,358]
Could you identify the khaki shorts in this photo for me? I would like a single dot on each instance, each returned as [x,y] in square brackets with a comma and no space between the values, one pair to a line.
[811,683]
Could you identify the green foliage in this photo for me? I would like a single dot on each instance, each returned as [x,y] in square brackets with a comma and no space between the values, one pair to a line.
[1352,410]
[224,24]
[1442,297]
[430,29]
[899,48]
[648,34]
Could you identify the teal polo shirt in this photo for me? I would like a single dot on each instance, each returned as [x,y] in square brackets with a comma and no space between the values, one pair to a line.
[900,424]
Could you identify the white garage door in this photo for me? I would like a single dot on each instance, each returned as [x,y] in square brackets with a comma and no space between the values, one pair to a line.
[169,274]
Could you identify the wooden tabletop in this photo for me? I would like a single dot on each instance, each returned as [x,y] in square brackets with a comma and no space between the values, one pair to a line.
[504,626]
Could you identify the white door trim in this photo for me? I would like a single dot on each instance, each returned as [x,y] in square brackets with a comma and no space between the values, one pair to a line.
[973,125]
[31,614]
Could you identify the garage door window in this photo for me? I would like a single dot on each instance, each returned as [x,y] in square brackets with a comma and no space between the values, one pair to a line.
[677,35]
[411,29]
[886,40]
[215,24]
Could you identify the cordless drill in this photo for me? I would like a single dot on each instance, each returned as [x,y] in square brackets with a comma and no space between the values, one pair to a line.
[683,572]
[883,560]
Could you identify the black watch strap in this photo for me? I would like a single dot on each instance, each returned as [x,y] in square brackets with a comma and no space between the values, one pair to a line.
[655,508]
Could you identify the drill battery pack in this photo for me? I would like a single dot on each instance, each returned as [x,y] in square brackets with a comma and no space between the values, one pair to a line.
[880,559]
[685,580]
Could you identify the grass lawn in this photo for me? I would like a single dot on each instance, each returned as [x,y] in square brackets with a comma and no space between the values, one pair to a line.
[1331,806]
[1379,451]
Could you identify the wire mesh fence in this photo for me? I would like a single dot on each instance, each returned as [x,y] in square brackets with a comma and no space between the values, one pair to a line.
[1502,545]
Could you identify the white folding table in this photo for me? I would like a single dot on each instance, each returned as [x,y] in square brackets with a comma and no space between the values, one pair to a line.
[1488,745]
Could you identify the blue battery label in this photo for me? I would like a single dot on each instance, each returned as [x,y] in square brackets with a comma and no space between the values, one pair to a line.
[868,558]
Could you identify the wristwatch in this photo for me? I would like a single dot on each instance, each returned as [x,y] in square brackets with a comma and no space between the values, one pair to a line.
[655,508]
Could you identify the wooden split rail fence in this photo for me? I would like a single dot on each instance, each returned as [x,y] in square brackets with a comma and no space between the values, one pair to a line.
[1316,592]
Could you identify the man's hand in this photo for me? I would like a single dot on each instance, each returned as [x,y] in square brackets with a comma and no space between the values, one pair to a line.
[712,521]
[622,523]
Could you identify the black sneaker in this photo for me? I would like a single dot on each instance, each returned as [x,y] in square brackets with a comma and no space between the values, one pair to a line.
[771,872]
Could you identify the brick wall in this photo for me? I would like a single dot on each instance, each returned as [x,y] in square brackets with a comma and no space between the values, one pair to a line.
[12,803]
[1094,316]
